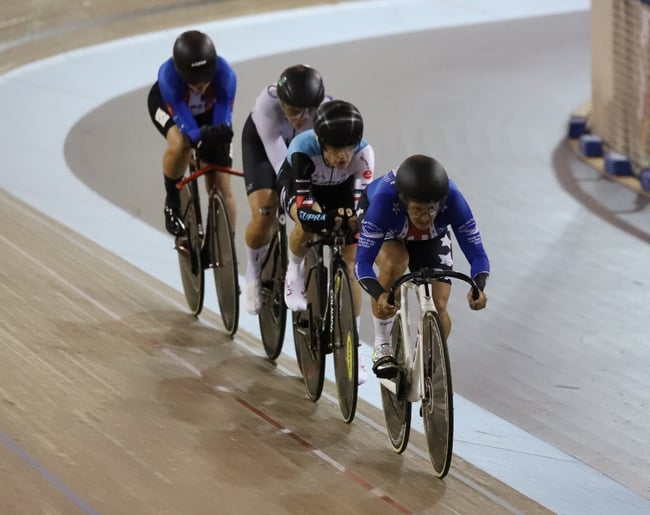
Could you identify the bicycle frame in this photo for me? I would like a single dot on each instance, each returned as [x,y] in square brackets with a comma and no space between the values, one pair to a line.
[424,370]
[421,283]
[215,245]
[331,329]
[412,348]
[191,179]
[336,260]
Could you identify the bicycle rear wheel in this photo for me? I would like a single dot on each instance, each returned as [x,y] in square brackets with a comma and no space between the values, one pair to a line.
[188,246]
[437,405]
[345,344]
[310,351]
[397,407]
[224,263]
[273,313]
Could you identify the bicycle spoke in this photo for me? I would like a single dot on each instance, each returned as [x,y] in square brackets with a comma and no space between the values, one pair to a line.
[437,405]
[273,313]
[396,406]
[345,344]
[306,326]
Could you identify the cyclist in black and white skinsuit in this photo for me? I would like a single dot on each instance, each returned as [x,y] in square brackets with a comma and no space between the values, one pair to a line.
[325,172]
[281,111]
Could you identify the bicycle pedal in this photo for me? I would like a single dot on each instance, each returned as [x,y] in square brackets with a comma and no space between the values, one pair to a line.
[386,372]
[301,323]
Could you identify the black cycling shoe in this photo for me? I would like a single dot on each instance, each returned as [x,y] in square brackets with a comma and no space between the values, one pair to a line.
[173,222]
[385,367]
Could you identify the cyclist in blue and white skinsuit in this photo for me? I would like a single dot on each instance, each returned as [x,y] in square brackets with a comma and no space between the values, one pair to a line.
[191,105]
[281,111]
[325,172]
[405,218]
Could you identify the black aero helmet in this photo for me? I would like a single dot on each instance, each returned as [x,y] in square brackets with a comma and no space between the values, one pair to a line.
[338,124]
[422,178]
[301,86]
[195,57]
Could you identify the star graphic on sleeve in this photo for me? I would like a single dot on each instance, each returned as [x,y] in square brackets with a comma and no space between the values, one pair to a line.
[396,208]
[445,241]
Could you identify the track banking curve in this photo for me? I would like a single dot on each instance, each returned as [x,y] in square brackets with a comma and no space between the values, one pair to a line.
[75,99]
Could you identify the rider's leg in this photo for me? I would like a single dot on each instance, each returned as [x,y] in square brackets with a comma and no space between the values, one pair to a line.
[294,284]
[298,236]
[263,199]
[264,206]
[175,160]
[349,253]
[391,261]
[440,293]
[177,154]
[222,182]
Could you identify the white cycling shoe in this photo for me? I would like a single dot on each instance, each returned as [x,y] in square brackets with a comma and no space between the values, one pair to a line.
[251,295]
[294,291]
[384,364]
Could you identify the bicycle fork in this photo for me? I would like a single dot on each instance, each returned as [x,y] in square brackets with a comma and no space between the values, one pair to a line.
[425,300]
[417,388]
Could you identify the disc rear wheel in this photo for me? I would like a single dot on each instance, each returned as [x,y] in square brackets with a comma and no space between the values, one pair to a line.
[273,313]
[397,407]
[188,247]
[224,263]
[310,350]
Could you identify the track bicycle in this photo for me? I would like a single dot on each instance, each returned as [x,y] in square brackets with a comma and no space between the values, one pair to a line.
[328,325]
[424,370]
[273,311]
[214,247]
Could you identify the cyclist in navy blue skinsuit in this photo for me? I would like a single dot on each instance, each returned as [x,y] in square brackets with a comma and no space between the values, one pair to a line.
[405,218]
[191,106]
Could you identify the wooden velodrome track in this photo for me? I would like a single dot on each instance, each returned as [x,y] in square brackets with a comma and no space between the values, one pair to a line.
[112,424]
[115,401]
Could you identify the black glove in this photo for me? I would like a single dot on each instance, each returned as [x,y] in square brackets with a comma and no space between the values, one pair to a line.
[313,221]
[481,279]
[223,132]
[214,145]
[351,221]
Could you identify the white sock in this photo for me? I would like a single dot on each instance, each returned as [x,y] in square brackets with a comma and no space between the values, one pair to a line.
[383,329]
[255,260]
[295,262]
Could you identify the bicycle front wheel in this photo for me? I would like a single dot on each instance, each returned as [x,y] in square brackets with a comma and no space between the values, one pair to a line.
[273,312]
[310,351]
[224,263]
[188,247]
[397,407]
[345,344]
[437,405]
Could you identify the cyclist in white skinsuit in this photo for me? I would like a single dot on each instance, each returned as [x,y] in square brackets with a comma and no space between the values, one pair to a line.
[281,111]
